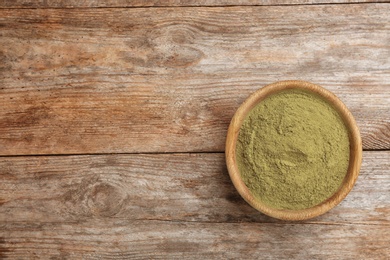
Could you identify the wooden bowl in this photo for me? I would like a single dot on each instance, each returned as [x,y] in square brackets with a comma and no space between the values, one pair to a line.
[355,157]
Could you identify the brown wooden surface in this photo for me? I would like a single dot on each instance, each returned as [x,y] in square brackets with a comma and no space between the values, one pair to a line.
[165,3]
[109,84]
[169,80]
[171,187]
[175,205]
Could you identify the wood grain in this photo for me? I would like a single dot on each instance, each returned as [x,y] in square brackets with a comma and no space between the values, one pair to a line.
[174,187]
[124,239]
[166,3]
[169,80]
[174,206]
[78,78]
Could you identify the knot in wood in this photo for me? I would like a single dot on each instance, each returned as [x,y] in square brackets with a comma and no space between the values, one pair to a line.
[105,200]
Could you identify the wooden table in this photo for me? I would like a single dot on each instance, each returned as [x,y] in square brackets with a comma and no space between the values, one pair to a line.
[114,114]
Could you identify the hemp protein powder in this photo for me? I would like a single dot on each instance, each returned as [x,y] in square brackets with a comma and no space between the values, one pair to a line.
[293,150]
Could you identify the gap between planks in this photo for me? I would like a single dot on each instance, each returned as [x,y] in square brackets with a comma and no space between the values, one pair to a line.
[97,154]
[199,6]
[140,153]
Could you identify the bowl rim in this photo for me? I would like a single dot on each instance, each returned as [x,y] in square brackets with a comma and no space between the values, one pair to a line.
[355,157]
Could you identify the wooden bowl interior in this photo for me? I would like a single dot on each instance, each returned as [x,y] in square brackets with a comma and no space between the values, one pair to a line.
[354,159]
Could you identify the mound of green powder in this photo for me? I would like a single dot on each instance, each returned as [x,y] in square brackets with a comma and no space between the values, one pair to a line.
[293,150]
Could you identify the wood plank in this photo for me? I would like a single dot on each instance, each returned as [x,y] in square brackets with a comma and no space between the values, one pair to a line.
[165,3]
[173,187]
[174,206]
[119,239]
[169,80]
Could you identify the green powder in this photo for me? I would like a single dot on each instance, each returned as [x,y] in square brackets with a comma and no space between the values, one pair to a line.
[293,150]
